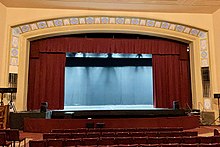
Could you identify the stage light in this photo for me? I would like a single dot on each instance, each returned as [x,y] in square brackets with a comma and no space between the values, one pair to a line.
[188,49]
[139,56]
[109,55]
[71,54]
[79,55]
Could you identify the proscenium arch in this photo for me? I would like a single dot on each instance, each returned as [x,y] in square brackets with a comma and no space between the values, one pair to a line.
[20,40]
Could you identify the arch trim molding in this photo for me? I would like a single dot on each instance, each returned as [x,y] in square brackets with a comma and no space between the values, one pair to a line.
[18,30]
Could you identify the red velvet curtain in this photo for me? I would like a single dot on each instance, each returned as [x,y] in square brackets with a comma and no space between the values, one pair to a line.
[46,81]
[171,81]
[47,63]
[33,99]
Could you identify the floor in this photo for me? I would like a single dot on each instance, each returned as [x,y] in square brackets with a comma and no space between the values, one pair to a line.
[206,130]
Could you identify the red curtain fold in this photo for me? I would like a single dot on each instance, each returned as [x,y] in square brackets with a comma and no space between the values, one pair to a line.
[47,63]
[46,81]
[34,50]
[171,81]
[33,99]
[185,86]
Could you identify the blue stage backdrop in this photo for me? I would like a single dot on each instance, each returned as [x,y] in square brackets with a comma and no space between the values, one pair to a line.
[89,86]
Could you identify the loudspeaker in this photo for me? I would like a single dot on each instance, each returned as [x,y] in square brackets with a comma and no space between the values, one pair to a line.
[89,125]
[217,95]
[43,107]
[100,125]
[176,105]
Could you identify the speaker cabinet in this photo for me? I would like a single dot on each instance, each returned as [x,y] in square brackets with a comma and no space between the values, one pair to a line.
[176,105]
[43,107]
[100,125]
[89,125]
[217,95]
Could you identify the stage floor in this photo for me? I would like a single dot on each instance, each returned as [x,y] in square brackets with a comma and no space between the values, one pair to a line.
[115,111]
[111,107]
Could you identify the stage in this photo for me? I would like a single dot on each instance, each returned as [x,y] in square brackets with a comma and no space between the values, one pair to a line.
[100,114]
[72,119]
[115,111]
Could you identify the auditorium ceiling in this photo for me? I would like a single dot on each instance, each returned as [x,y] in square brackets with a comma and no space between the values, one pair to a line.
[171,6]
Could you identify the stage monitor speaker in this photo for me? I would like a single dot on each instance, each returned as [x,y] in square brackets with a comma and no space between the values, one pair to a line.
[176,105]
[217,95]
[89,125]
[43,107]
[100,125]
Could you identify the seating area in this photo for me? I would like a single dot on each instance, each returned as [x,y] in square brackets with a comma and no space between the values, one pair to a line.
[160,137]
[10,137]
[3,140]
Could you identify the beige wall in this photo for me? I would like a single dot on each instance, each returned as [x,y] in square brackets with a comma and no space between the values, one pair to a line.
[22,15]
[2,43]
[216,26]
[204,21]
[17,16]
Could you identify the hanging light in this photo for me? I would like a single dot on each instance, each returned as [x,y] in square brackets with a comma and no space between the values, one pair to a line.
[139,56]
[109,55]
